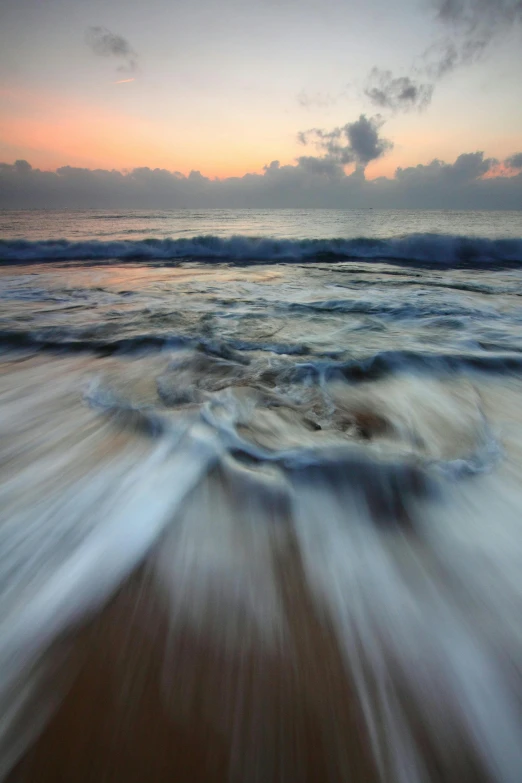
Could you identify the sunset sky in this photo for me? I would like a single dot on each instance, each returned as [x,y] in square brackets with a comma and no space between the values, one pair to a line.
[225,87]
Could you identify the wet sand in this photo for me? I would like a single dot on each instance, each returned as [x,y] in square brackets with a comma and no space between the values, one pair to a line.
[151,704]
[283,568]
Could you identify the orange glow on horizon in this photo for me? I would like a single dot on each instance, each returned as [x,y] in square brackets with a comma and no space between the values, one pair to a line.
[50,131]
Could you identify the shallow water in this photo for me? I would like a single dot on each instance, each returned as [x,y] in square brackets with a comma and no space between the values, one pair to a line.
[318,469]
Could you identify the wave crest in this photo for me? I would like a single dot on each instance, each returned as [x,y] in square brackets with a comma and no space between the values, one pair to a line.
[446,250]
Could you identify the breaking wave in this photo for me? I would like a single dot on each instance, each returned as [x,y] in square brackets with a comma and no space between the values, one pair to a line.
[436,249]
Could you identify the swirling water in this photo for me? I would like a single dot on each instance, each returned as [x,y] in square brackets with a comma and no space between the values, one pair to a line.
[270,501]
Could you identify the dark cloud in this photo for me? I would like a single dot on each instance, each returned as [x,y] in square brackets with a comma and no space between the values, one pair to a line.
[514,162]
[458,185]
[356,142]
[470,26]
[447,55]
[398,93]
[309,182]
[322,167]
[471,166]
[364,139]
[479,15]
[107,44]
[468,168]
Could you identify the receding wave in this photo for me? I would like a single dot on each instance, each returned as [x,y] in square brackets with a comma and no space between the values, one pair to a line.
[311,370]
[415,248]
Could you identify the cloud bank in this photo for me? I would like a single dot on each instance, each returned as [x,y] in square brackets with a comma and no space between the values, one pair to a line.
[310,182]
[514,162]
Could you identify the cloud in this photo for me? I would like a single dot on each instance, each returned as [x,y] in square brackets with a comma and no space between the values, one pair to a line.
[106,44]
[446,55]
[514,162]
[469,167]
[485,17]
[320,100]
[356,142]
[398,93]
[309,182]
[470,26]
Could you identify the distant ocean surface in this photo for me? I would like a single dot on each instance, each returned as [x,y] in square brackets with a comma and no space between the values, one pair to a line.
[262,235]
[307,425]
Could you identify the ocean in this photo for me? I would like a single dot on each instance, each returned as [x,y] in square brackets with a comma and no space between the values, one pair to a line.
[261,496]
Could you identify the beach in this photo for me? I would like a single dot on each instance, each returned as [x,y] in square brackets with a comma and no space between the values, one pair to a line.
[260,492]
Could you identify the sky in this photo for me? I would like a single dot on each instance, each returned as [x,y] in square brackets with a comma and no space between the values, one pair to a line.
[355,100]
